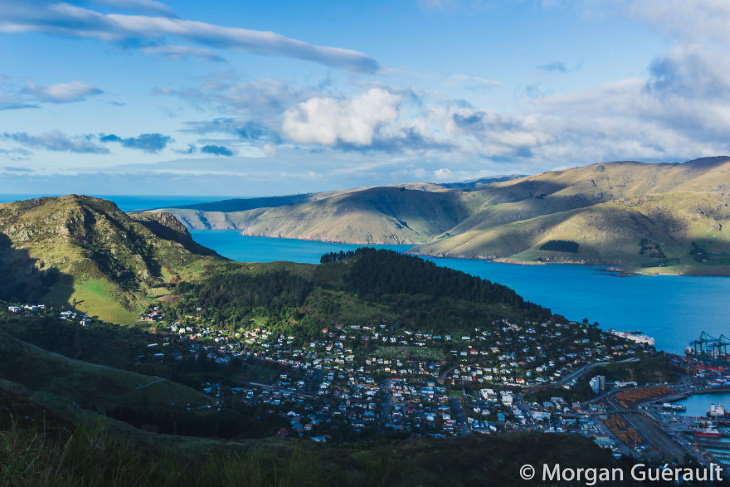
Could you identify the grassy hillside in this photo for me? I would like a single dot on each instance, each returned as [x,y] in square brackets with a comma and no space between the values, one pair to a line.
[90,386]
[367,216]
[85,252]
[651,230]
[51,440]
[666,218]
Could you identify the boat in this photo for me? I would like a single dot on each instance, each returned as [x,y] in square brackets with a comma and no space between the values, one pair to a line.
[719,414]
[673,407]
[707,432]
[716,411]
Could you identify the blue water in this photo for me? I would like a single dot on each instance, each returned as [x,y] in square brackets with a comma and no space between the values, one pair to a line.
[229,243]
[672,309]
[129,203]
[699,404]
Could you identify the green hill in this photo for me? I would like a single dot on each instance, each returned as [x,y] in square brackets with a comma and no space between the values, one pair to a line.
[89,386]
[668,218]
[85,252]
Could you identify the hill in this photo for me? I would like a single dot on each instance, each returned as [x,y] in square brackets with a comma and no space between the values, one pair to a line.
[367,286]
[364,216]
[85,252]
[671,216]
[664,217]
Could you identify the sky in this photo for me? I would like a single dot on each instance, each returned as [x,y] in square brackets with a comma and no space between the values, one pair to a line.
[263,97]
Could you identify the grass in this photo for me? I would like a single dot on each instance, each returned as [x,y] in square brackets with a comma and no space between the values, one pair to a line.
[94,456]
[31,455]
[87,383]
[102,298]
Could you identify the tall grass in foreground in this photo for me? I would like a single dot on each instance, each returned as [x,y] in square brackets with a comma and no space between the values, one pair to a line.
[90,457]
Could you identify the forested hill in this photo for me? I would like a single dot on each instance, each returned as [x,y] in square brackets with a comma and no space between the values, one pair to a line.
[378,273]
[365,286]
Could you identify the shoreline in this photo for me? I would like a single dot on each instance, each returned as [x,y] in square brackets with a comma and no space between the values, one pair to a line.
[617,270]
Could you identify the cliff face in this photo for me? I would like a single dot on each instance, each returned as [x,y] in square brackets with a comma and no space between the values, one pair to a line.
[165,226]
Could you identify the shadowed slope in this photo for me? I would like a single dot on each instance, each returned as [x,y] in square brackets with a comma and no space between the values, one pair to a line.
[106,262]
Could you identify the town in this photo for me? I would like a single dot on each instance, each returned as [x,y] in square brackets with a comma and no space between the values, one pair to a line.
[383,379]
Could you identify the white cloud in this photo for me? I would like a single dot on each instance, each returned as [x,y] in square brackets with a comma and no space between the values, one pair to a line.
[330,121]
[473,81]
[182,52]
[443,174]
[56,141]
[70,20]
[62,92]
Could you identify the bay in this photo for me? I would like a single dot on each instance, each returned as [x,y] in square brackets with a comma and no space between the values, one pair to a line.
[231,244]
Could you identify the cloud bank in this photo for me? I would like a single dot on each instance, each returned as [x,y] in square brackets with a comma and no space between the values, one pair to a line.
[65,19]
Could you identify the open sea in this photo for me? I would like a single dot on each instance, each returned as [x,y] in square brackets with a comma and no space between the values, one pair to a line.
[672,309]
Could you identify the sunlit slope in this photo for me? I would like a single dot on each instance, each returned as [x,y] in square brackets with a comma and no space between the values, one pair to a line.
[671,229]
[85,252]
[367,216]
[668,215]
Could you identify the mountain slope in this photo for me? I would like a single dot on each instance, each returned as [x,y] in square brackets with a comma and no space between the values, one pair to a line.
[660,229]
[365,216]
[666,215]
[86,252]
[624,213]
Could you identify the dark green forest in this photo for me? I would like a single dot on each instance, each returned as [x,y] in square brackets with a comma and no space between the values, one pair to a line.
[380,285]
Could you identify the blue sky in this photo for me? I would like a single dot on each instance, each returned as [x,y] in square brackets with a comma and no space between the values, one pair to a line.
[270,97]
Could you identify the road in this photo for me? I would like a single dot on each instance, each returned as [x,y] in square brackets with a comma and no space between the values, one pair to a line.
[386,410]
[457,412]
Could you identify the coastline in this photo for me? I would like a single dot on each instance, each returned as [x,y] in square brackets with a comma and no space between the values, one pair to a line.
[601,266]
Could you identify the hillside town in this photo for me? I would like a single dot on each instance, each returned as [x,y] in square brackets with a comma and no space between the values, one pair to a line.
[369,380]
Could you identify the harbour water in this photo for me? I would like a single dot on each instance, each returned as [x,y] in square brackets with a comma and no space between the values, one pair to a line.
[699,404]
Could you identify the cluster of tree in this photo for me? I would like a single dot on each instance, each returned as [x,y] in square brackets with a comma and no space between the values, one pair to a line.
[560,246]
[111,345]
[698,253]
[271,290]
[377,273]
[651,249]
